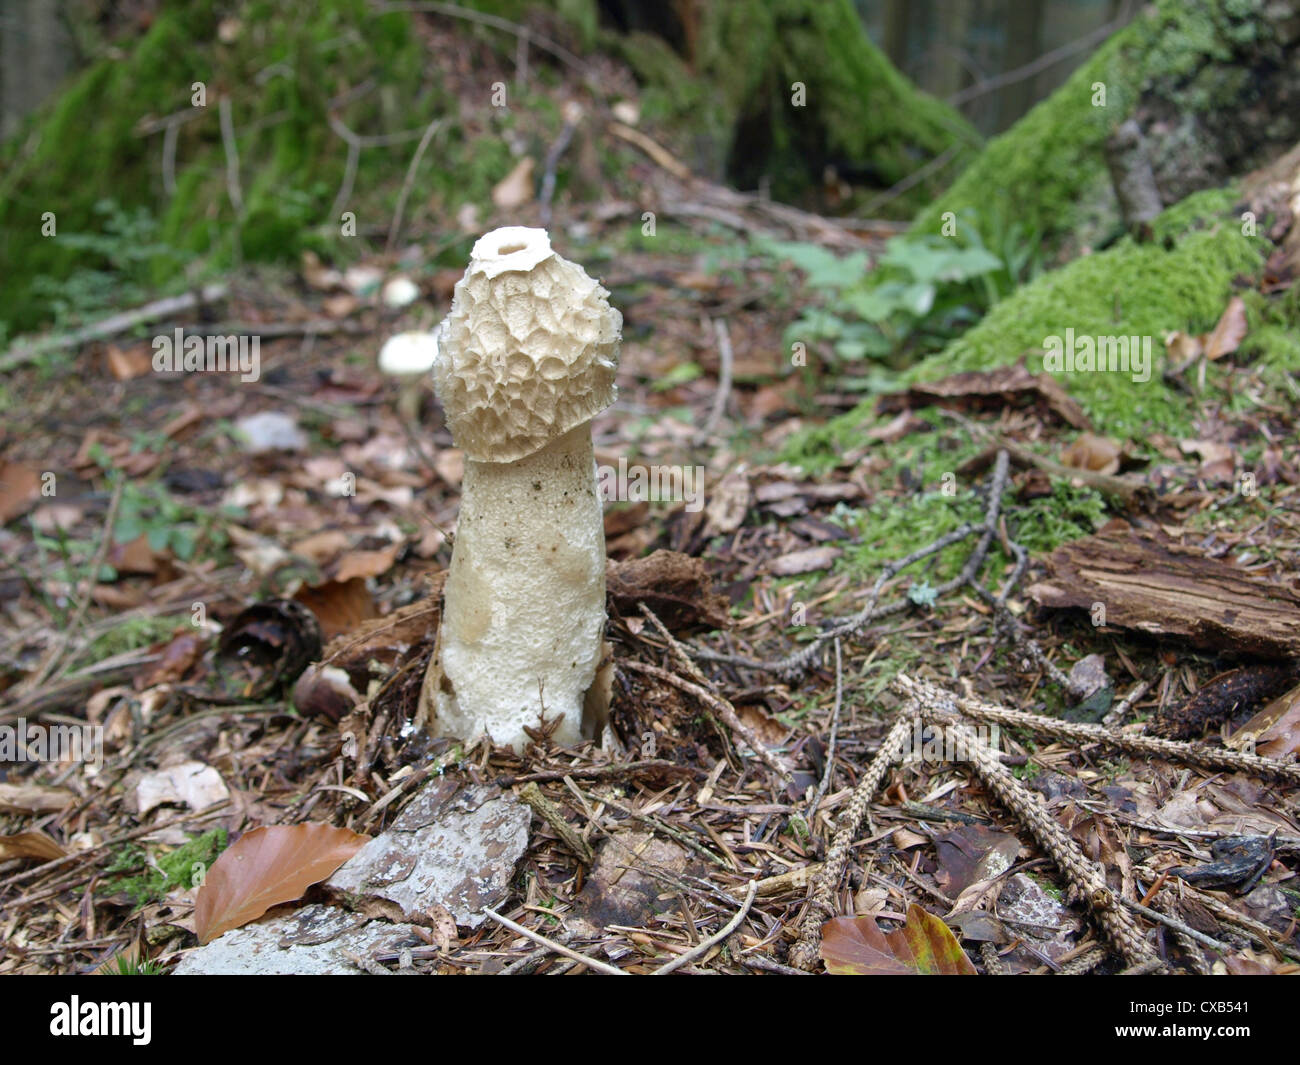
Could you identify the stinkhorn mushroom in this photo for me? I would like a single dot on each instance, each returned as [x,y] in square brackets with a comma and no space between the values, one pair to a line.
[526,359]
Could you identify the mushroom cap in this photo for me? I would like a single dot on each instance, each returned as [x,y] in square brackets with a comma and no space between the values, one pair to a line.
[407,354]
[528,351]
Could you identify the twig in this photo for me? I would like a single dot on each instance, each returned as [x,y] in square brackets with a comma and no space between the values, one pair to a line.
[830,747]
[70,630]
[1047,59]
[531,795]
[721,707]
[232,155]
[112,325]
[652,148]
[794,664]
[707,945]
[1177,926]
[1085,877]
[914,178]
[1149,746]
[550,944]
[1118,712]
[727,357]
[396,226]
[553,157]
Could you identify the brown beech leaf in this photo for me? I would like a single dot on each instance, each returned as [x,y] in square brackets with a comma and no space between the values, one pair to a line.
[924,946]
[1229,332]
[30,845]
[266,867]
[20,487]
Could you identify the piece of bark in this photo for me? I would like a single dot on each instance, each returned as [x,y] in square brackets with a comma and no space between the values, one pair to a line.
[1163,589]
[676,587]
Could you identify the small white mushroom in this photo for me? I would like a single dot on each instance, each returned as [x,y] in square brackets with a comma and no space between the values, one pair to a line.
[409,357]
[526,360]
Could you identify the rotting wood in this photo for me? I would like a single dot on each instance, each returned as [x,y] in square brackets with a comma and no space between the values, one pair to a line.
[1160,588]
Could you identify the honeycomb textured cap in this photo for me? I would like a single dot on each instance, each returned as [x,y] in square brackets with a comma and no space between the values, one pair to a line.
[528,351]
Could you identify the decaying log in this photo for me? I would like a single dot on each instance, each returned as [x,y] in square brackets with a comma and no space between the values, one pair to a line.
[1146,583]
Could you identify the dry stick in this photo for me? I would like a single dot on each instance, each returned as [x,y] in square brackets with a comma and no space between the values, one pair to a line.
[830,747]
[396,227]
[794,664]
[70,630]
[1085,877]
[727,358]
[531,795]
[1178,926]
[722,708]
[550,944]
[553,156]
[1255,929]
[728,712]
[112,325]
[805,953]
[1117,713]
[357,141]
[1047,59]
[1172,750]
[232,155]
[703,948]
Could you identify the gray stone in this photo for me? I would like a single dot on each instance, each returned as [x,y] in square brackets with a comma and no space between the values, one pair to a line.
[313,941]
[452,849]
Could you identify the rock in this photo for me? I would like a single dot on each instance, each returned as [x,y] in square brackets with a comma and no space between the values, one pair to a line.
[314,941]
[453,848]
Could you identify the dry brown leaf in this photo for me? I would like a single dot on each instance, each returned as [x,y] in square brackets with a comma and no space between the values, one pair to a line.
[322,547]
[339,606]
[1228,334]
[126,363]
[516,188]
[30,845]
[924,946]
[20,487]
[268,866]
[1275,730]
[367,563]
[810,560]
[134,557]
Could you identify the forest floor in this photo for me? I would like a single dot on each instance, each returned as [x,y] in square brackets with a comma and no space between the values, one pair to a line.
[1108,621]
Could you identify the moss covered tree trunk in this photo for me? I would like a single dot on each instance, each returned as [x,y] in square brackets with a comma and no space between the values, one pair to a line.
[1213,85]
[773,92]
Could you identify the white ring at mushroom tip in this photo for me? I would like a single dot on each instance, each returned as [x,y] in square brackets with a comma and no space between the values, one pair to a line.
[510,248]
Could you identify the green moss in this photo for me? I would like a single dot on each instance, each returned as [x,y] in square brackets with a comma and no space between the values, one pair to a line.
[1049,170]
[180,868]
[1179,282]
[281,75]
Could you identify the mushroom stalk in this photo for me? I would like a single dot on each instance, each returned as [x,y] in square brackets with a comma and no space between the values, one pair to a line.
[526,360]
[532,648]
